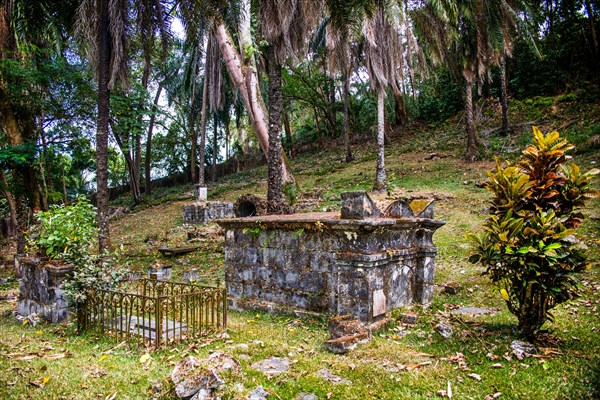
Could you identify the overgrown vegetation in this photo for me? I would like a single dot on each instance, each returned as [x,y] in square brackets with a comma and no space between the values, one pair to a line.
[68,234]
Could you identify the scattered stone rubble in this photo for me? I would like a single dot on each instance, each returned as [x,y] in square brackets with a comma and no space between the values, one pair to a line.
[196,379]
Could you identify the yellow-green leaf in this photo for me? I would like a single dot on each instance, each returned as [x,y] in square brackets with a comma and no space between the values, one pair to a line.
[504,294]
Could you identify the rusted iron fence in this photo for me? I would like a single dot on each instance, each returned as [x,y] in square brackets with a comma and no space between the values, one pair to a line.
[155,312]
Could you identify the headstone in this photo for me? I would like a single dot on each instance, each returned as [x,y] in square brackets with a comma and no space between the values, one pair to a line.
[358,205]
[202,193]
[399,209]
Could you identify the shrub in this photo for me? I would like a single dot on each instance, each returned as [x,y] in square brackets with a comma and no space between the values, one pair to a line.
[528,246]
[65,232]
[69,233]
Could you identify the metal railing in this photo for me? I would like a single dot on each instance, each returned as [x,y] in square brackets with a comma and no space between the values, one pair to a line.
[155,312]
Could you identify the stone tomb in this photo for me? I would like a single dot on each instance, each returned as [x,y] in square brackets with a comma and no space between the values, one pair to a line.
[41,288]
[362,262]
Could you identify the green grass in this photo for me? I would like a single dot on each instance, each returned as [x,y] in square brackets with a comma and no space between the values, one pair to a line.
[401,362]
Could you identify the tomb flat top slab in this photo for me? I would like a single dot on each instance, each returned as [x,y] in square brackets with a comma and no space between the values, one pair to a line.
[329,219]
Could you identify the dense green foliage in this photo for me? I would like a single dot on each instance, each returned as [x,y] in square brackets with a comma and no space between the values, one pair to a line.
[529,247]
[68,233]
[65,232]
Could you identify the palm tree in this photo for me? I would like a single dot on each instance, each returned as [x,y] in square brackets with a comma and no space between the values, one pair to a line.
[384,59]
[285,26]
[340,60]
[103,27]
[470,37]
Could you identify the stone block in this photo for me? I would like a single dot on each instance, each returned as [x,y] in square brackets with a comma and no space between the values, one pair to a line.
[358,205]
[399,209]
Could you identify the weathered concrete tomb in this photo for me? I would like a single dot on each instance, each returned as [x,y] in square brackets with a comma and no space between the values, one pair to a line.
[41,288]
[362,261]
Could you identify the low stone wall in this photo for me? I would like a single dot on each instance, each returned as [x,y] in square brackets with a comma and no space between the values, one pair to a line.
[40,290]
[203,212]
[323,263]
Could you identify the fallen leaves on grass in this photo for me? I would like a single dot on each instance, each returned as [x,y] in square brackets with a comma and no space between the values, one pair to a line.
[458,358]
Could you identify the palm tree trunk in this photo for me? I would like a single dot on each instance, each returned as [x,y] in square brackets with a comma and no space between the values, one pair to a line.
[103,44]
[201,150]
[275,201]
[349,156]
[380,174]
[288,132]
[148,158]
[192,124]
[244,78]
[503,96]
[472,140]
[213,170]
[332,113]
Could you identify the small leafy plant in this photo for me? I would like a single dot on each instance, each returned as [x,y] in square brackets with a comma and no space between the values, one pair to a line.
[68,233]
[528,246]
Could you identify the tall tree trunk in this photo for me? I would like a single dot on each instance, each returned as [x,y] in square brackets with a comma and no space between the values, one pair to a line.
[346,94]
[46,154]
[317,123]
[472,139]
[275,199]
[227,133]
[590,13]
[12,203]
[148,157]
[129,160]
[104,50]
[288,133]
[192,124]
[332,113]
[18,128]
[400,109]
[503,96]
[202,151]
[380,174]
[245,79]
[213,170]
